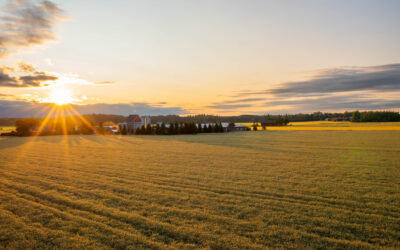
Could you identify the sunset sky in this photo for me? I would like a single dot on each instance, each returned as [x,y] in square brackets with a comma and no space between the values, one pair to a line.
[209,56]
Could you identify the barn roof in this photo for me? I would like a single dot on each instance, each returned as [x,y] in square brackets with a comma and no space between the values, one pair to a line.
[133,118]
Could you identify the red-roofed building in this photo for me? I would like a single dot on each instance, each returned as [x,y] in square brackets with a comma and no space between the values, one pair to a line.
[134,122]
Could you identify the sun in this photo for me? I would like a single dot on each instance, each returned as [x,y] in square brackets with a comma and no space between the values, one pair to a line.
[61,96]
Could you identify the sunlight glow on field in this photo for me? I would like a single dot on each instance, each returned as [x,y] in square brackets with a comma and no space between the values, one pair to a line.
[250,190]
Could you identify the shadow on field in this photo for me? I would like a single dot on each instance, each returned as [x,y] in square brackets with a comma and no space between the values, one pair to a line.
[11,142]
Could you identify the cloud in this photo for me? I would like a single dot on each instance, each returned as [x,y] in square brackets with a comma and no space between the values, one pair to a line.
[105,82]
[25,67]
[329,89]
[7,80]
[25,109]
[244,100]
[34,79]
[7,69]
[349,102]
[26,23]
[378,78]
[228,106]
[132,108]
[234,104]
[38,79]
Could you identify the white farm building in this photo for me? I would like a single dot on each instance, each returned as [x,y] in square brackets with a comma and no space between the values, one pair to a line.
[134,122]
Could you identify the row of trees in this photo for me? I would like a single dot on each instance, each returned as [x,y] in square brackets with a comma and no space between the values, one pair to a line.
[177,129]
[53,126]
[280,119]
[377,116]
[203,118]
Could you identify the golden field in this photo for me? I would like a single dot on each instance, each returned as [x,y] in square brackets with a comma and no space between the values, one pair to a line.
[6,129]
[329,125]
[243,190]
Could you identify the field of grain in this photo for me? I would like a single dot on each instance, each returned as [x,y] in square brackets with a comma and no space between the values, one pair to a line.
[255,190]
[6,129]
[329,125]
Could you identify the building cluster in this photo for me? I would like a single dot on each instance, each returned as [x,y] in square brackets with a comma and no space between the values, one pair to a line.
[135,122]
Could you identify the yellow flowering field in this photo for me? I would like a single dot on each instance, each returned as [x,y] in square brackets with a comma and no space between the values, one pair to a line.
[6,129]
[329,125]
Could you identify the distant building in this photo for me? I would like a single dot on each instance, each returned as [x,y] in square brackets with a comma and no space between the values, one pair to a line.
[134,122]
[111,129]
[235,128]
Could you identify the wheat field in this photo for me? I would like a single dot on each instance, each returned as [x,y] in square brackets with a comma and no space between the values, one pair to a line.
[244,190]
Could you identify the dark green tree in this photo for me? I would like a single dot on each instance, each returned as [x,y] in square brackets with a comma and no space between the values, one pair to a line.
[26,126]
[255,126]
[123,130]
[149,130]
[163,129]
[356,116]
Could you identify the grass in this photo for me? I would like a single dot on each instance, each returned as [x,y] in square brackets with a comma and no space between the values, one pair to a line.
[329,125]
[254,190]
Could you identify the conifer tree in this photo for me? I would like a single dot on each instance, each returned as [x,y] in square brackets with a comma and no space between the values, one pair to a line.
[149,130]
[170,129]
[158,129]
[123,130]
[162,128]
[199,128]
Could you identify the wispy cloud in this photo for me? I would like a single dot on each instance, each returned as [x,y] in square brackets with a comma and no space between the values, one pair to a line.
[25,109]
[348,102]
[245,100]
[30,79]
[37,79]
[234,104]
[379,78]
[26,67]
[222,106]
[328,89]
[25,23]
[105,82]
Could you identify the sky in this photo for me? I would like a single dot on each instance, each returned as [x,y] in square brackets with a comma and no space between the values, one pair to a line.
[189,57]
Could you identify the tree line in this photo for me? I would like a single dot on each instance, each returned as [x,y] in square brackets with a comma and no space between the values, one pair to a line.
[51,126]
[177,129]
[203,118]
[377,116]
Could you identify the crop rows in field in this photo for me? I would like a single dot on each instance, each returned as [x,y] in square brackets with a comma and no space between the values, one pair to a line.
[225,191]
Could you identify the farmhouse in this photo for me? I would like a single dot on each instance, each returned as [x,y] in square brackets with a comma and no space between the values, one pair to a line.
[234,128]
[134,122]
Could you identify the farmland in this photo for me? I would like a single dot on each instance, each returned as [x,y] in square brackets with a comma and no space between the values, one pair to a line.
[256,190]
[329,125]
[6,129]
